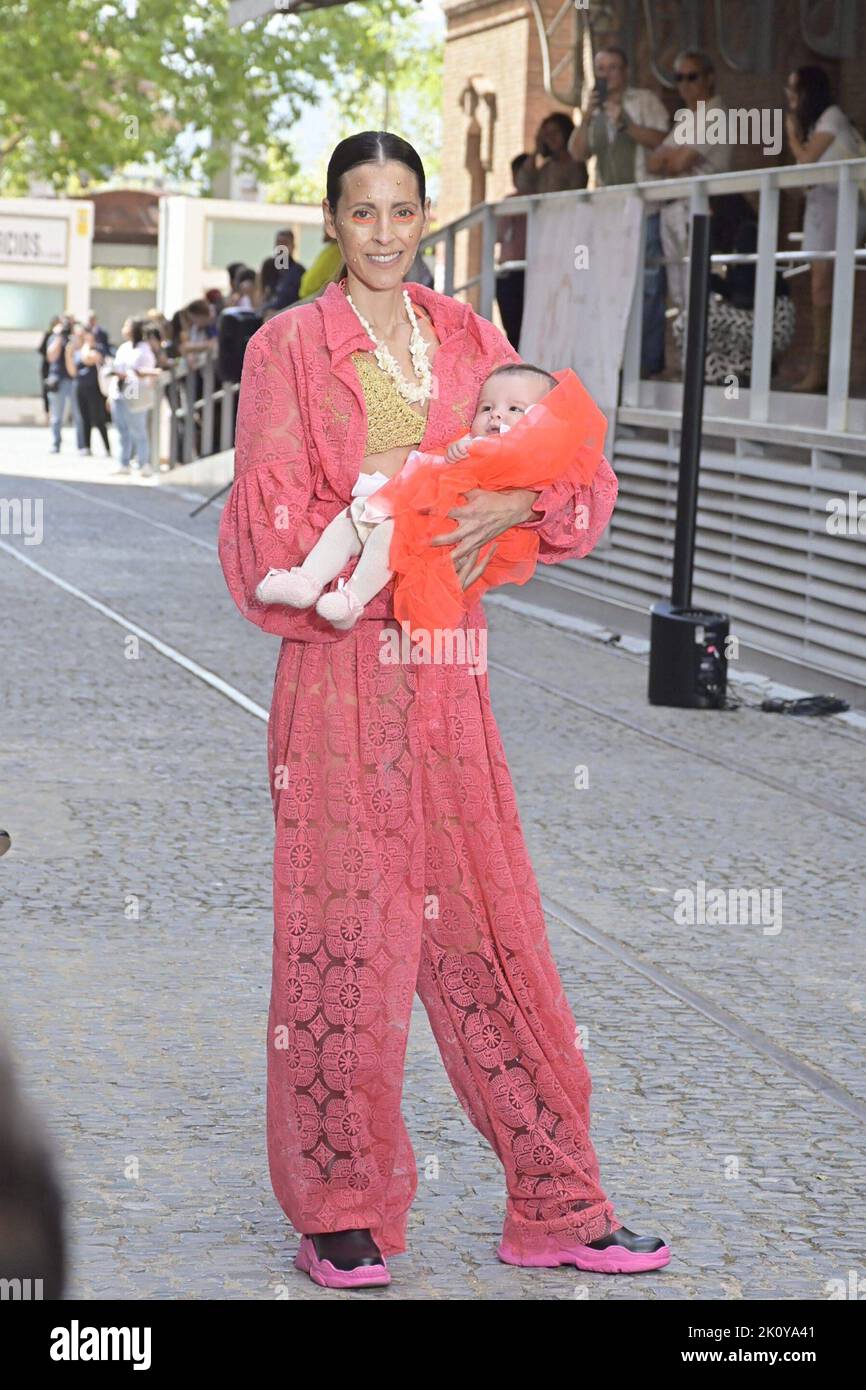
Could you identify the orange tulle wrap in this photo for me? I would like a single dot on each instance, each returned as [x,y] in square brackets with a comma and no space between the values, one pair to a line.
[561,438]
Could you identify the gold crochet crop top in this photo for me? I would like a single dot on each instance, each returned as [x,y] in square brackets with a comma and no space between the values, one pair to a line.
[391,421]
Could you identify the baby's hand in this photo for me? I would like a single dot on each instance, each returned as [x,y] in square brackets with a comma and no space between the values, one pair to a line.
[458,450]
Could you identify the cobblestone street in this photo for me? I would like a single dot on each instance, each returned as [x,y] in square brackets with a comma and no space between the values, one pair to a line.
[729,1090]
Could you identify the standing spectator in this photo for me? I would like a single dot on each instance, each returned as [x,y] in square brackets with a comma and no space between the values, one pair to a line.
[198,327]
[558,171]
[237,324]
[154,339]
[511,236]
[101,339]
[43,368]
[619,124]
[817,131]
[285,278]
[131,398]
[681,154]
[60,385]
[87,358]
[244,293]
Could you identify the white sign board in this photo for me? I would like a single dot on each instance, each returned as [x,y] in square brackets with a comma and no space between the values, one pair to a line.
[581,265]
[32,240]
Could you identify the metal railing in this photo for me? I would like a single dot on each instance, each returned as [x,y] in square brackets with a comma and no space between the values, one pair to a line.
[768,184]
[193,413]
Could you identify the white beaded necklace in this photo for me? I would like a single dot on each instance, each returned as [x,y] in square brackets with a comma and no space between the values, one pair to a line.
[409,390]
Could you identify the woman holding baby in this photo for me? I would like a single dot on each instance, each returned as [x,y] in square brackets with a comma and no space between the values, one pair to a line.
[399,858]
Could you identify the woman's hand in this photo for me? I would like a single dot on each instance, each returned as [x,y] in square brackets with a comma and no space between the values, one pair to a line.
[482,517]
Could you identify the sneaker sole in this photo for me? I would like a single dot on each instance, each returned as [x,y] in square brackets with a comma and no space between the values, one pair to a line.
[615,1259]
[329,1277]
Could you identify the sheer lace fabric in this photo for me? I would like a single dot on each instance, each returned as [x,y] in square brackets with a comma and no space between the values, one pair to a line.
[399,858]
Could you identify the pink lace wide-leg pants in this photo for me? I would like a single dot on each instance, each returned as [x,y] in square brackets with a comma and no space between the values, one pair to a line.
[400,865]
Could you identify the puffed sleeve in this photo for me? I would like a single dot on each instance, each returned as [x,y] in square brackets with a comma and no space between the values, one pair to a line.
[271,518]
[571,519]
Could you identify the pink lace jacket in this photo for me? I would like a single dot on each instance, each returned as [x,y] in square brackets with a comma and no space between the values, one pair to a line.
[300,438]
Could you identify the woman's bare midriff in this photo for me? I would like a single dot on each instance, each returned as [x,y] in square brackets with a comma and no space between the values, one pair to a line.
[389,462]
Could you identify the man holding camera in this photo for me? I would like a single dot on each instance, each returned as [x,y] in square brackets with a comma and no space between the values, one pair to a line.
[619,126]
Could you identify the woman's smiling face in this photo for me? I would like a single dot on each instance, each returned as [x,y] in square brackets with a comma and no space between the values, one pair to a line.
[378,222]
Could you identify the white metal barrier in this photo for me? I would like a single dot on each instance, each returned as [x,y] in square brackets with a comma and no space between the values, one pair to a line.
[764,405]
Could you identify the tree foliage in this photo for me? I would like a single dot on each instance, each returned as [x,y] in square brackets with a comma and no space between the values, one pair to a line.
[91,87]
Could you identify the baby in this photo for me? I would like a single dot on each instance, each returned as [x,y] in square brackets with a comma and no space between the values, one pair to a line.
[508,393]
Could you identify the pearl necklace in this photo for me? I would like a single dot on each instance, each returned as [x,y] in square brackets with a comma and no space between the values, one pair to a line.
[410,391]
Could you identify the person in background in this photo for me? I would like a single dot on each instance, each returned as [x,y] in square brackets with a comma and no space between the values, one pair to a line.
[511,237]
[131,398]
[86,356]
[269,277]
[100,334]
[237,324]
[43,369]
[154,339]
[678,157]
[216,302]
[818,131]
[327,266]
[198,330]
[731,315]
[285,279]
[558,170]
[244,293]
[619,125]
[60,385]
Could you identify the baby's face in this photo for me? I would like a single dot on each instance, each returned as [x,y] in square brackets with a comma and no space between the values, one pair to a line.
[505,398]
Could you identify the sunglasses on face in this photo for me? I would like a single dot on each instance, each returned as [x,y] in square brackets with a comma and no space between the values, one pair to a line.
[688,76]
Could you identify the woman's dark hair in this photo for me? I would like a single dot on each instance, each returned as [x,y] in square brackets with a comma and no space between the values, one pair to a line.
[371,147]
[515,368]
[137,333]
[814,95]
[565,123]
[517,163]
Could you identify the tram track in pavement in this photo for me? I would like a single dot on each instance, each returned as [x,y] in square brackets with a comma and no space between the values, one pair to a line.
[757,1041]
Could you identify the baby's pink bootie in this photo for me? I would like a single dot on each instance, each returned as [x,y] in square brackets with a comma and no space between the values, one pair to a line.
[292,587]
[341,608]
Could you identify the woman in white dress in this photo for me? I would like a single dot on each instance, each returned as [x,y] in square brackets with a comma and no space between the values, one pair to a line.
[818,131]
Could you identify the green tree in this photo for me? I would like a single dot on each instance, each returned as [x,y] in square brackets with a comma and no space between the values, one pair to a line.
[91,87]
